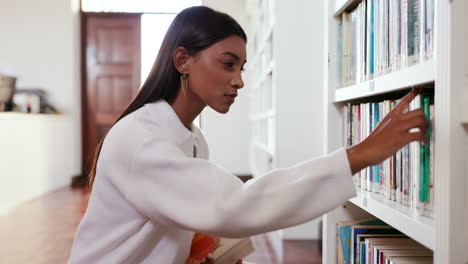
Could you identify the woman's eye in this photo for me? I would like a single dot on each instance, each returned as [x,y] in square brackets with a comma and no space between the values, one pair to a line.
[228,64]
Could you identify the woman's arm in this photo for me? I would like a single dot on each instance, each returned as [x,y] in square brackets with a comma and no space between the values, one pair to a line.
[195,194]
[391,134]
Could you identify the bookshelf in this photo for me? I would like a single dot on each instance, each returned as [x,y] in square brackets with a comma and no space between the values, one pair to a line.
[285,128]
[397,215]
[447,233]
[262,96]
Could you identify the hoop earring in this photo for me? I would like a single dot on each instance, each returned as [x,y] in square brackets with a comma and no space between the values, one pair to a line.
[184,82]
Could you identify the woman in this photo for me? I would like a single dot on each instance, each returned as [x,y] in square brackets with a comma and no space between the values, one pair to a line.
[153,186]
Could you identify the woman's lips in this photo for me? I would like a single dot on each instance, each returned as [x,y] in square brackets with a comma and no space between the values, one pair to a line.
[231,97]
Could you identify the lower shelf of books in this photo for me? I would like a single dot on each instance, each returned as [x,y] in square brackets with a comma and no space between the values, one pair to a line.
[403,218]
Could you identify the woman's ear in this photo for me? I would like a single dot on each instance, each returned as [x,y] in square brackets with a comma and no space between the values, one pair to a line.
[181,59]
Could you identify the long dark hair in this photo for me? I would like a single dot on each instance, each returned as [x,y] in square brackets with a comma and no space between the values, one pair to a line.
[195,28]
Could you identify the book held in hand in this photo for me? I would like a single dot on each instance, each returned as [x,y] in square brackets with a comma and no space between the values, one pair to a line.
[223,250]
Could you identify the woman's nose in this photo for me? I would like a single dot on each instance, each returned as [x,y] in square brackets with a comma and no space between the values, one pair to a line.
[237,81]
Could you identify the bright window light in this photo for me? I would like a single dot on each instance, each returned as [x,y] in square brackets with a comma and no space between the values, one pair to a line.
[153,29]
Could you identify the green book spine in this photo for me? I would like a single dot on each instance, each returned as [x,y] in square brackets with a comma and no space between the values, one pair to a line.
[427,165]
[422,165]
[421,172]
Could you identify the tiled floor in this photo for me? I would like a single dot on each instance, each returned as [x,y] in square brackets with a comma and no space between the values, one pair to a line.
[41,232]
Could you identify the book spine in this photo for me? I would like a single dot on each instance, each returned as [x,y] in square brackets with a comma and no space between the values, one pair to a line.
[346,49]
[386,36]
[429,28]
[357,49]
[377,39]
[339,52]
[363,40]
[417,29]
[363,135]
[388,166]
[393,168]
[381,165]
[398,35]
[415,164]
[413,31]
[405,174]
[426,103]
[367,131]
[404,32]
[422,184]
[431,161]
[377,167]
[422,30]
[357,135]
[398,178]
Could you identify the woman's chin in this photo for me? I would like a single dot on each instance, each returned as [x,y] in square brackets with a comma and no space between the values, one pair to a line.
[222,109]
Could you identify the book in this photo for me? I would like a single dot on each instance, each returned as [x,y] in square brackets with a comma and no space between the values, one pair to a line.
[431,162]
[411,260]
[375,245]
[231,250]
[344,234]
[386,253]
[367,229]
[361,243]
[223,250]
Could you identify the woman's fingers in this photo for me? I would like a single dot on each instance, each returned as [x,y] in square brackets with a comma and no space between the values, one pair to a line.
[414,119]
[418,121]
[208,260]
[417,136]
[412,114]
[403,106]
[405,101]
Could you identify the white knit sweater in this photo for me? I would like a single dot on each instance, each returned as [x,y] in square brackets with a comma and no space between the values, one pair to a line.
[150,195]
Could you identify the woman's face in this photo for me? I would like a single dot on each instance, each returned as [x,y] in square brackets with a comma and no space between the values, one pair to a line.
[215,73]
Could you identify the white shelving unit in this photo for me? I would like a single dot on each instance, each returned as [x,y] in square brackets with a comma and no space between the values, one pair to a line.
[397,215]
[414,75]
[286,59]
[447,233]
[262,96]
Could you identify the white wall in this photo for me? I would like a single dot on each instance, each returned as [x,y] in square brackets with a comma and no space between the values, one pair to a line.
[40,40]
[299,55]
[228,135]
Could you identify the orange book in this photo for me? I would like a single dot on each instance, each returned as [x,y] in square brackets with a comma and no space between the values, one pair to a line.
[202,246]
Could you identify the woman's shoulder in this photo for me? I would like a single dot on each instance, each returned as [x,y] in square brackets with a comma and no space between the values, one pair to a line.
[155,122]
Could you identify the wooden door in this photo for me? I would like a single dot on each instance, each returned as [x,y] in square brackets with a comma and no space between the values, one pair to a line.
[111,73]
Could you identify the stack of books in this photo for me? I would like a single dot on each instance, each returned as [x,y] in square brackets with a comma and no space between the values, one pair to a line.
[371,241]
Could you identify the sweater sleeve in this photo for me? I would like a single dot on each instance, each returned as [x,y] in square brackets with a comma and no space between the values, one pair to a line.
[197,195]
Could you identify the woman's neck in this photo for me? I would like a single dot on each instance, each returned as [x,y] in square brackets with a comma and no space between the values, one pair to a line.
[187,107]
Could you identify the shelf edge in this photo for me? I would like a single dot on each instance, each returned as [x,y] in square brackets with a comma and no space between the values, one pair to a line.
[394,81]
[419,228]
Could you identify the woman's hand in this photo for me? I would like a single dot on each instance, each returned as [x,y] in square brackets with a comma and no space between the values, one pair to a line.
[209,260]
[392,133]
